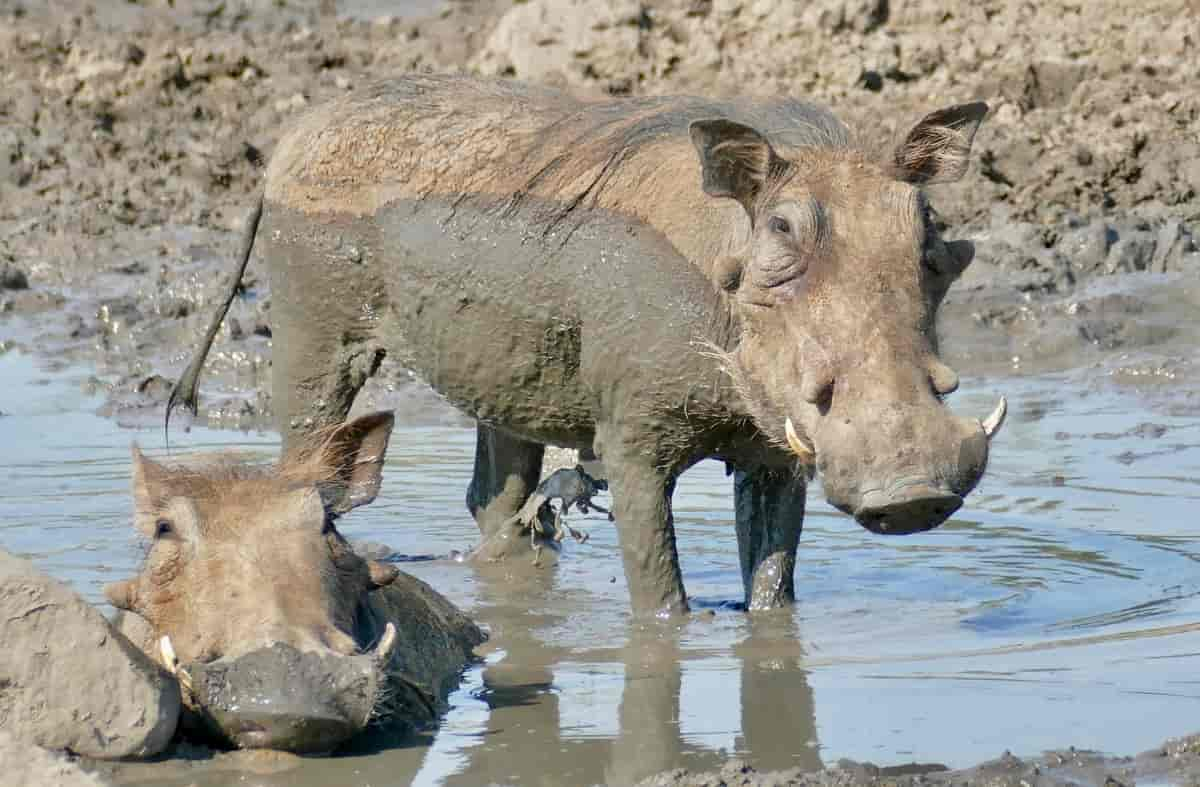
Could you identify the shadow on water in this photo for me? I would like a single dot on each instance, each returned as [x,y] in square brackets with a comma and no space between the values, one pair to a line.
[1061,604]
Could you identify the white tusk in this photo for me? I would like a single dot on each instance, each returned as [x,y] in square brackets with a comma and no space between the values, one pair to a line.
[383,648]
[170,660]
[993,422]
[798,446]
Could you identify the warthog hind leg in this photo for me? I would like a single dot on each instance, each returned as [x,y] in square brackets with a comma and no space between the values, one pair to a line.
[770,516]
[505,476]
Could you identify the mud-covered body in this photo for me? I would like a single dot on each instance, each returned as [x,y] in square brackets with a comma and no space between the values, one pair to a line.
[658,280]
[547,338]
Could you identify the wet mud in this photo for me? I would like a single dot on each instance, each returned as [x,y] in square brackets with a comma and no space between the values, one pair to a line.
[1058,608]
[132,141]
[1176,761]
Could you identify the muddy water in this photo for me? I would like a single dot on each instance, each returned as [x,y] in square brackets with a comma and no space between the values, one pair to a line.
[1061,606]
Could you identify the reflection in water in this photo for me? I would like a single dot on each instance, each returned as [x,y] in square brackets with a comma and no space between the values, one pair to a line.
[528,737]
[778,718]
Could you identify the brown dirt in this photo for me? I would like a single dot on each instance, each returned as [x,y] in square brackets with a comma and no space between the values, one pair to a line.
[133,136]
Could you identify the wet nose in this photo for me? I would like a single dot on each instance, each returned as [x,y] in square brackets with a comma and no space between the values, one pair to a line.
[909,509]
[282,698]
[297,730]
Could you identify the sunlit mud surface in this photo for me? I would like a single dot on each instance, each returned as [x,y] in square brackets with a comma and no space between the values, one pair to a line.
[1061,606]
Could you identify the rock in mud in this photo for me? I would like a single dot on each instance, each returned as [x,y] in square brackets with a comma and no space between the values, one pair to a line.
[26,765]
[68,680]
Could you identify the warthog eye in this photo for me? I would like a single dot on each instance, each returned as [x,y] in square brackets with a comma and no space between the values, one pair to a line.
[779,224]
[162,528]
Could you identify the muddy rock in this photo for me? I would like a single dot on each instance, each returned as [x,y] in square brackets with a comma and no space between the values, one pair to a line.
[26,765]
[68,680]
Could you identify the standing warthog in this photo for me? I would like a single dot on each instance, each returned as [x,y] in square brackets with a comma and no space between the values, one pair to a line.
[282,636]
[659,280]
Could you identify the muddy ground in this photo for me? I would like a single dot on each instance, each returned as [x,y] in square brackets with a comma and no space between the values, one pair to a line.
[133,137]
[1177,761]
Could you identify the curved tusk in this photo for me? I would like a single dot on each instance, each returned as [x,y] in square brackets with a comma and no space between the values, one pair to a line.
[798,446]
[993,422]
[167,652]
[383,649]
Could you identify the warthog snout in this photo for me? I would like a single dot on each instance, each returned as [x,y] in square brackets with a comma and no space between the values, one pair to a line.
[282,698]
[910,471]
[910,508]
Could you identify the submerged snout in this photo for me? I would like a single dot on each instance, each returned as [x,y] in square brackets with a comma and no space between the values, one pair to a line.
[282,698]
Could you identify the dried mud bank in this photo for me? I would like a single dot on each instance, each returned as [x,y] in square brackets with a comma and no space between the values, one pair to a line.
[132,139]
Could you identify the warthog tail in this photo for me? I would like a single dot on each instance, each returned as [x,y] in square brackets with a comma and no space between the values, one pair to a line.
[185,391]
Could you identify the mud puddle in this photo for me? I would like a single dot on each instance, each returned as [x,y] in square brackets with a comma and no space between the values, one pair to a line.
[1061,606]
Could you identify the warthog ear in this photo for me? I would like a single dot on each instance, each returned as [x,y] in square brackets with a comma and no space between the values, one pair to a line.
[735,160]
[938,149]
[354,456]
[150,481]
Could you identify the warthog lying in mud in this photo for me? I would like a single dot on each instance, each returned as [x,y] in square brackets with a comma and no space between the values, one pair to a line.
[659,280]
[281,635]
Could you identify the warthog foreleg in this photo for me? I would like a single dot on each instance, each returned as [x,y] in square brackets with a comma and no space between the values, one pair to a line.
[641,492]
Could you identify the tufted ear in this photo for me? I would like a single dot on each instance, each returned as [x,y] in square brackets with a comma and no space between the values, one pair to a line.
[353,455]
[938,149]
[150,481]
[735,160]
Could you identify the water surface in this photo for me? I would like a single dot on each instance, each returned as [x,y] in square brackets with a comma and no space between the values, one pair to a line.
[1060,606]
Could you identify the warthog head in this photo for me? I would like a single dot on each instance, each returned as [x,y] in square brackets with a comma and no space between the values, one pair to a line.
[838,287]
[254,597]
